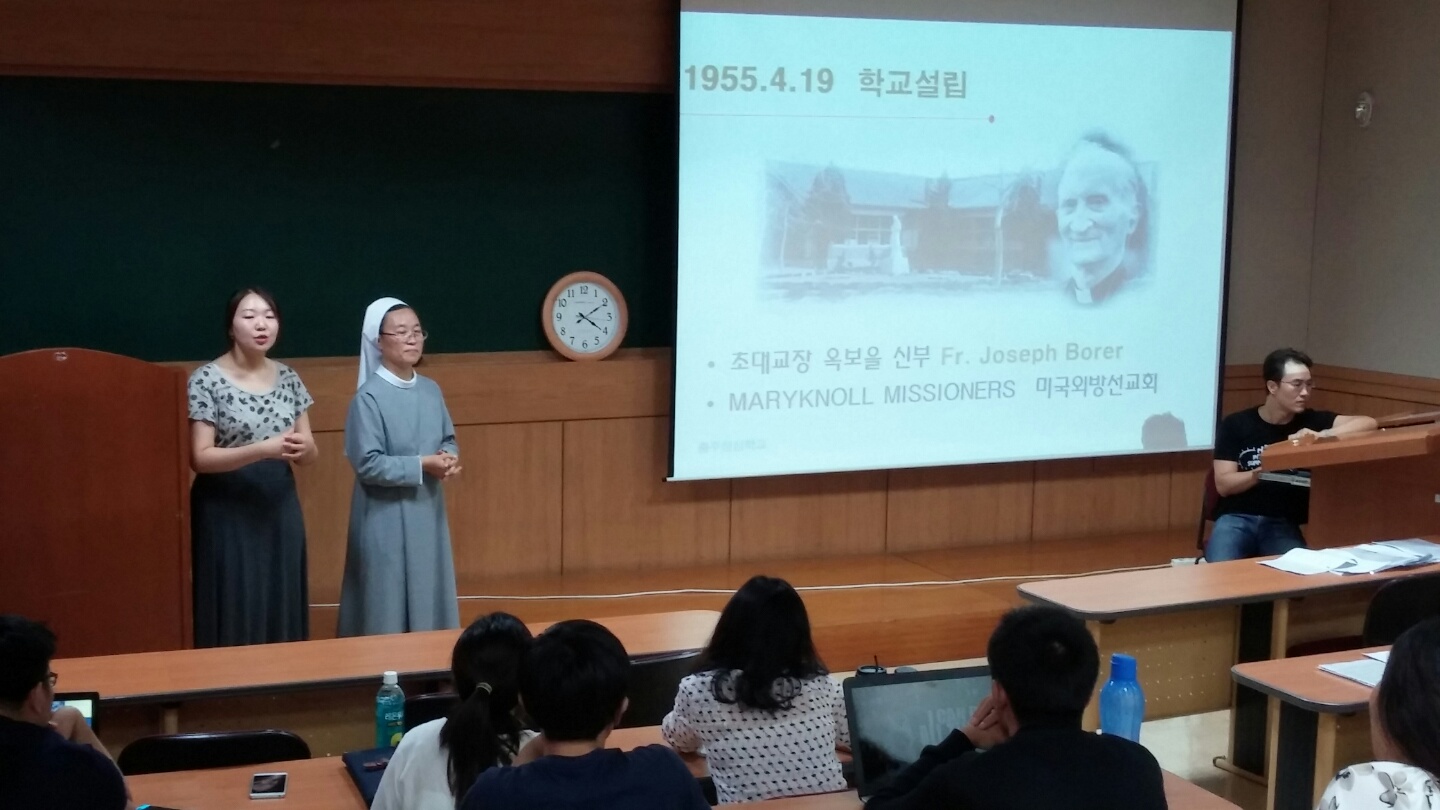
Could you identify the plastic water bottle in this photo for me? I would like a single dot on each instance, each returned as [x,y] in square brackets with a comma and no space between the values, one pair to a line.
[1122,701]
[389,712]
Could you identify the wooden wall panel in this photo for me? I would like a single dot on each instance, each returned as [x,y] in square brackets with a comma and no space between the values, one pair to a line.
[1093,496]
[1242,388]
[619,511]
[807,516]
[949,507]
[325,489]
[504,387]
[552,45]
[505,507]
[1187,485]
[565,465]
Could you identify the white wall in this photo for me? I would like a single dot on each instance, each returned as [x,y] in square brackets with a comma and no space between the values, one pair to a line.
[1376,277]
[1277,149]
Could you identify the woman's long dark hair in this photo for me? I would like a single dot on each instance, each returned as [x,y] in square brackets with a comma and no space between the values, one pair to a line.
[761,649]
[1408,699]
[482,731]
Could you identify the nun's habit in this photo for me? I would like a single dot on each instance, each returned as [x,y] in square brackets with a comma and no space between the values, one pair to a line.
[399,573]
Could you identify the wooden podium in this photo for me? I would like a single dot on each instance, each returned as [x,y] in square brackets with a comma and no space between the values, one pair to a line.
[94,509]
[1383,484]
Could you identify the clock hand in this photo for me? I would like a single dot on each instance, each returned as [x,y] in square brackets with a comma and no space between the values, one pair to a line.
[593,311]
[587,320]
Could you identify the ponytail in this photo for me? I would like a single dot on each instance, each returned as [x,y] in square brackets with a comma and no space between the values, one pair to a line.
[477,740]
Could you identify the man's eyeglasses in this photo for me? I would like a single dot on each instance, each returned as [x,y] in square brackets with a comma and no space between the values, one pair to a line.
[53,679]
[1300,385]
[418,334]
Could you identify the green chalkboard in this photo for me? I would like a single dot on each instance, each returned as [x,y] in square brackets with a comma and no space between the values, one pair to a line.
[129,210]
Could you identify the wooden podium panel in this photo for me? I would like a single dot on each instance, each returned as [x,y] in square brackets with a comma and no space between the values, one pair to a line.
[94,510]
[1370,486]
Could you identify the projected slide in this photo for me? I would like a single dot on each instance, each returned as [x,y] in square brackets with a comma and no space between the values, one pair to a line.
[913,242]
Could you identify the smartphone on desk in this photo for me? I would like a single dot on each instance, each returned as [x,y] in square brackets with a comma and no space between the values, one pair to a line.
[268,785]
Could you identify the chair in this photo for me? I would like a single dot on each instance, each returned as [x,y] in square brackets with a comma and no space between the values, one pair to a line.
[1399,605]
[653,683]
[225,749]
[1207,513]
[421,709]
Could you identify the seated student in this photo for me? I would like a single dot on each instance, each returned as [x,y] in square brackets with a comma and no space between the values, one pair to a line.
[46,760]
[760,702]
[437,762]
[573,681]
[1044,665]
[1404,732]
[1255,518]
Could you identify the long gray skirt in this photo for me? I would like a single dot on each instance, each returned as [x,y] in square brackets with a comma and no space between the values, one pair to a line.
[248,553]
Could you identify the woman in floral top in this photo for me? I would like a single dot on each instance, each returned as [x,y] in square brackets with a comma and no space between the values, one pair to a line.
[249,423]
[1404,732]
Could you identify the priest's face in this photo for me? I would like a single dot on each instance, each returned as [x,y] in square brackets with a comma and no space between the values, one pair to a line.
[402,339]
[1097,210]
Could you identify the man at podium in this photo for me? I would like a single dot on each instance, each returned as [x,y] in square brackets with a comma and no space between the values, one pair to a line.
[1256,517]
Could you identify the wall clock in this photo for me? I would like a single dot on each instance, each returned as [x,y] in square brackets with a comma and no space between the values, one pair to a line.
[584,316]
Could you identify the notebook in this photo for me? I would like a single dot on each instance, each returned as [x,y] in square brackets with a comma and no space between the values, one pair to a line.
[366,768]
[892,717]
[1367,671]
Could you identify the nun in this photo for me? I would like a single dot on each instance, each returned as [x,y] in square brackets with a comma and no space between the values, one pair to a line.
[399,573]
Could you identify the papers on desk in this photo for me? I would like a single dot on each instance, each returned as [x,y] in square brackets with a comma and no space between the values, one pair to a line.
[1382,656]
[1295,478]
[1368,558]
[1366,670]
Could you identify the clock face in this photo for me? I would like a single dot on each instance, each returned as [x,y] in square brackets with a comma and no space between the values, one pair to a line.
[586,317]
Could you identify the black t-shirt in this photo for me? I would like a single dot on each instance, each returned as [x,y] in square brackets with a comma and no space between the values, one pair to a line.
[1039,768]
[651,777]
[1240,439]
[40,770]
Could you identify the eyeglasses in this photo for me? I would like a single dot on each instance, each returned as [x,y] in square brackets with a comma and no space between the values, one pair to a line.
[53,678]
[418,334]
[1300,385]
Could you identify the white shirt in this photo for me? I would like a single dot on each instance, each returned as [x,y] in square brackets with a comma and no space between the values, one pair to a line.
[754,754]
[418,776]
[1381,786]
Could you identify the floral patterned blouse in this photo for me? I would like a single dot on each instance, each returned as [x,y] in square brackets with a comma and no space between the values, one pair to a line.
[1381,786]
[240,417]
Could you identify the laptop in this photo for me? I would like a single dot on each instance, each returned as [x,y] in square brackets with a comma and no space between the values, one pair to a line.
[892,717]
[87,702]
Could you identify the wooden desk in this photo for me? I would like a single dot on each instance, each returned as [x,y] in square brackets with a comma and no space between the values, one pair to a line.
[1188,625]
[255,686]
[323,784]
[174,675]
[1323,723]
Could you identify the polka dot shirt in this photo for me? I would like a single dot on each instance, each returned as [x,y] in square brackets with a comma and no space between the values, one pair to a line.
[754,754]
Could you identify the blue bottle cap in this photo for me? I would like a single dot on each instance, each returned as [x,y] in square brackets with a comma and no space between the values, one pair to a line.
[1122,667]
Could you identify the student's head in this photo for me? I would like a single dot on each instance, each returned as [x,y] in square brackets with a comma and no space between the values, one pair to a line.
[1287,379]
[573,681]
[483,730]
[401,338]
[761,647]
[1405,707]
[252,320]
[1100,205]
[26,689]
[1045,662]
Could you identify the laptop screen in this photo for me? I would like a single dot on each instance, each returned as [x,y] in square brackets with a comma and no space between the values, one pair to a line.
[893,717]
[86,702]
